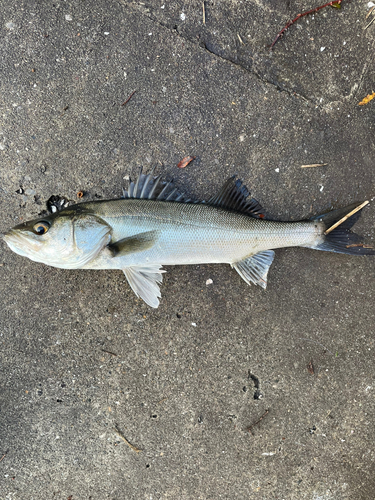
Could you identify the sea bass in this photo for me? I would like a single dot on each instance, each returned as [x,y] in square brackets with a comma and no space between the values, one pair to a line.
[155,225]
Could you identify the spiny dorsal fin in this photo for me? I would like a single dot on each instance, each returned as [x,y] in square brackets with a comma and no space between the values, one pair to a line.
[233,196]
[151,187]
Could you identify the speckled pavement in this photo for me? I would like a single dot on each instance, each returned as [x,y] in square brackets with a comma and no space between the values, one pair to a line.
[86,368]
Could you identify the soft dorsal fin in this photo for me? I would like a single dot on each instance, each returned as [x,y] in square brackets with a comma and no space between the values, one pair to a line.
[151,187]
[233,196]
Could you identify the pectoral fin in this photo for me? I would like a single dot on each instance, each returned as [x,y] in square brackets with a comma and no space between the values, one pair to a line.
[254,269]
[132,244]
[144,282]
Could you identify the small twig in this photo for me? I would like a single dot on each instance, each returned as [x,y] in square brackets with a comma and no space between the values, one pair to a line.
[359,245]
[346,217]
[128,99]
[5,454]
[370,23]
[65,109]
[109,352]
[240,39]
[162,400]
[369,12]
[314,165]
[204,13]
[256,423]
[121,435]
[312,11]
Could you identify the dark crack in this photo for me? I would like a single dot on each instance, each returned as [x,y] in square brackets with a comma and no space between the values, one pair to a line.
[257,75]
[171,26]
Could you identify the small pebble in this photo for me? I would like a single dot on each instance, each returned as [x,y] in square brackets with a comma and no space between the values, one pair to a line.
[68,17]
[209,282]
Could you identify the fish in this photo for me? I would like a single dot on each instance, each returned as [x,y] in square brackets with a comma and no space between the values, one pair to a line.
[155,225]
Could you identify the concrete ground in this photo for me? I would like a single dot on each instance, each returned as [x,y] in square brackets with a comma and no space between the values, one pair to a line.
[82,359]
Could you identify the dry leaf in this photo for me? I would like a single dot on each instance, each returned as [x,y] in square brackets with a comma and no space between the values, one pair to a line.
[367,99]
[185,161]
[310,367]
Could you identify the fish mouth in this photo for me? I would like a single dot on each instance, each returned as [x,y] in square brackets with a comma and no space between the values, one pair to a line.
[9,237]
[20,243]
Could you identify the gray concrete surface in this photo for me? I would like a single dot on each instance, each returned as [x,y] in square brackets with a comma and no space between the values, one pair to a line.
[80,354]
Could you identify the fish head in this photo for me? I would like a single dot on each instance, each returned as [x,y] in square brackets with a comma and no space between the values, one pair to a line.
[67,239]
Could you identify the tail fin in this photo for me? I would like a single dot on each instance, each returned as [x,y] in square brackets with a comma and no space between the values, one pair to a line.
[341,239]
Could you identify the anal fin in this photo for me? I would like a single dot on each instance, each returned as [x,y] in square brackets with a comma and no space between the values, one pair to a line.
[254,269]
[144,282]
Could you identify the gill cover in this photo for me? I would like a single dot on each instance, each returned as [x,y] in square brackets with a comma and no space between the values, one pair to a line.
[90,235]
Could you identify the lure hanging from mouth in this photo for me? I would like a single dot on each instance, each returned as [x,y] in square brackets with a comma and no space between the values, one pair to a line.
[155,225]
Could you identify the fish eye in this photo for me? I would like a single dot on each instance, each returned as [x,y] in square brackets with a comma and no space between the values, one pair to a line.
[41,227]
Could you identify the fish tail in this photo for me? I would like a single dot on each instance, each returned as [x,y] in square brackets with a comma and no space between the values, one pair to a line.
[341,239]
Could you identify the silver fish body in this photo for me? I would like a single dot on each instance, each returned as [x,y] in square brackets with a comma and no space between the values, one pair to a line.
[193,233]
[153,226]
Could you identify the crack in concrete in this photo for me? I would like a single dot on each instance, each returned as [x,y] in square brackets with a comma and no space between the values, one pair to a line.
[354,89]
[358,85]
[259,77]
[146,11]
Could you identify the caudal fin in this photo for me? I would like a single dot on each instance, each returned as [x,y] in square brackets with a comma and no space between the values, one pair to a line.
[342,239]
